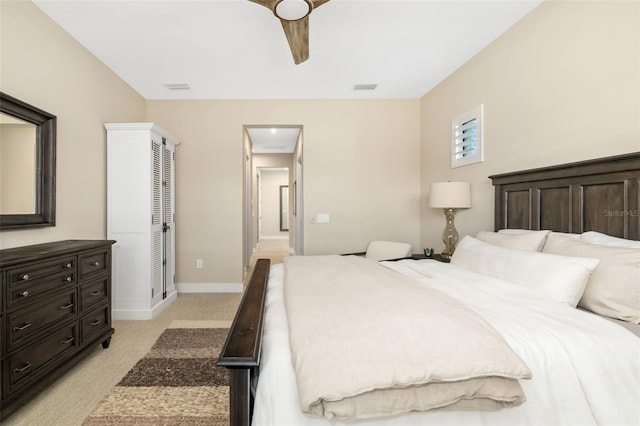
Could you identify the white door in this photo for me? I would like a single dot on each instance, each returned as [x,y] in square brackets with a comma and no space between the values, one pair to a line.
[156,222]
[169,207]
[259,185]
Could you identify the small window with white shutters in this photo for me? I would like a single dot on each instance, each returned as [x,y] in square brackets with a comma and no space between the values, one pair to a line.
[466,138]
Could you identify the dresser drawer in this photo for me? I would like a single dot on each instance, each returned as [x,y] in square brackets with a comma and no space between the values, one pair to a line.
[94,323]
[36,359]
[93,264]
[25,283]
[94,293]
[23,324]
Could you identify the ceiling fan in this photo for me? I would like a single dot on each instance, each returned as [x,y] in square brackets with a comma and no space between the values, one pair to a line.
[294,17]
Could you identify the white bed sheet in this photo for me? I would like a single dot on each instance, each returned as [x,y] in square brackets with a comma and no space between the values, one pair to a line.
[586,370]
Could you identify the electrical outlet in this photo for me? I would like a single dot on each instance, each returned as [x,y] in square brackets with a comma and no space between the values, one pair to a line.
[199,263]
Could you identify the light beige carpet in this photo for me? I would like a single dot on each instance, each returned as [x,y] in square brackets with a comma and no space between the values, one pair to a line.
[176,383]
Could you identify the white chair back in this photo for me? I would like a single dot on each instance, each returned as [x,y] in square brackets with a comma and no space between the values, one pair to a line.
[386,250]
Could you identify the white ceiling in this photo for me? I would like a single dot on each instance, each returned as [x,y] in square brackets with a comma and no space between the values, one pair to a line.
[236,49]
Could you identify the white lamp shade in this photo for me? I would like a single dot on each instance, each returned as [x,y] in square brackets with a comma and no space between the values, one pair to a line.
[450,195]
[292,10]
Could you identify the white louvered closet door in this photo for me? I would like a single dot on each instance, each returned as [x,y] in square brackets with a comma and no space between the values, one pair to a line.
[168,197]
[157,255]
[140,218]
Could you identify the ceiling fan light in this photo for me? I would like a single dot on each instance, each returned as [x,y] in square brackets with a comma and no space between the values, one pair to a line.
[292,10]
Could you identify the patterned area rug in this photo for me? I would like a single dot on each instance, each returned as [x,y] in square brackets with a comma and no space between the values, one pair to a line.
[176,383]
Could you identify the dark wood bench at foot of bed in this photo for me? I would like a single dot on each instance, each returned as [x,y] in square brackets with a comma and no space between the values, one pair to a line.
[241,351]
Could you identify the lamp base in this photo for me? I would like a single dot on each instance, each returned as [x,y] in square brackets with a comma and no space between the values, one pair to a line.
[450,234]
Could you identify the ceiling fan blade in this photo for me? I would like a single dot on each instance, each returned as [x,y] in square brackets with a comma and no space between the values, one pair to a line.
[317,3]
[297,33]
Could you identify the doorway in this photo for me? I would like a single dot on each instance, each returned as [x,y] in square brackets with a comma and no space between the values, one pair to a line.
[272,192]
[273,204]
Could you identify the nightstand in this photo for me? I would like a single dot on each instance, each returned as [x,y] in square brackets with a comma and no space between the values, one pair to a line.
[420,256]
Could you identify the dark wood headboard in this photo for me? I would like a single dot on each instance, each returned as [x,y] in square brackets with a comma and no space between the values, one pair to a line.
[595,195]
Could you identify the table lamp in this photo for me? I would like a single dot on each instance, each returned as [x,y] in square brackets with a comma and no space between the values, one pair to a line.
[450,196]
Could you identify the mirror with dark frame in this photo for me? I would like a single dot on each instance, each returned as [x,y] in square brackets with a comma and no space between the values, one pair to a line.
[27,165]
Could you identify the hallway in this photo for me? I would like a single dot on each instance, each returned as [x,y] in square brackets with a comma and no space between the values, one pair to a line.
[276,250]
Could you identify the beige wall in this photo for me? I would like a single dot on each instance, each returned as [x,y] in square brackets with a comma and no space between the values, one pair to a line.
[43,66]
[562,85]
[361,165]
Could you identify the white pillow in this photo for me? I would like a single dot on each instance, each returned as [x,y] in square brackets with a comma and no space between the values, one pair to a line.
[593,237]
[614,287]
[528,241]
[561,278]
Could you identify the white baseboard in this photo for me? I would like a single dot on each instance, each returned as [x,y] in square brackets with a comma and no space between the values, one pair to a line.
[209,287]
[142,314]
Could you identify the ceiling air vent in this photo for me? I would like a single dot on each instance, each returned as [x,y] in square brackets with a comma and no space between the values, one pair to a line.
[177,86]
[367,86]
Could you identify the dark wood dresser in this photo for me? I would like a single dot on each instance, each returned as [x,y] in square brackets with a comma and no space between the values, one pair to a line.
[55,307]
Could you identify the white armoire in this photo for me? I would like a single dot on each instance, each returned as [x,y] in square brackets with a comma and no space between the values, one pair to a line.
[141,218]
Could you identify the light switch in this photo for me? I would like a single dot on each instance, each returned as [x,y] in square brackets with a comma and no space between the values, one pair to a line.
[324,218]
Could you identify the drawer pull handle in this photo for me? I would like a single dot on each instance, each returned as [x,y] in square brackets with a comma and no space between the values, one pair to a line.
[25,293]
[96,293]
[67,279]
[95,264]
[22,327]
[20,370]
[67,341]
[68,265]
[25,277]
[63,307]
[95,322]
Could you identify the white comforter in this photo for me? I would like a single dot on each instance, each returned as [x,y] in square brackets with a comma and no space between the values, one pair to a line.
[586,370]
[401,346]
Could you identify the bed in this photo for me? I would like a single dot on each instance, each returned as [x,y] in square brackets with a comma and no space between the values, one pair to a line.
[578,365]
